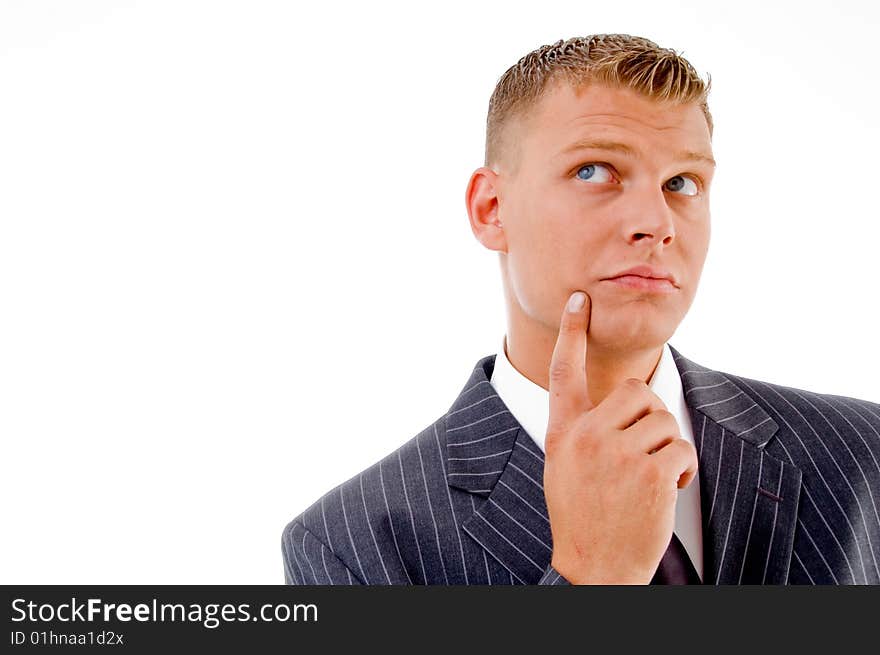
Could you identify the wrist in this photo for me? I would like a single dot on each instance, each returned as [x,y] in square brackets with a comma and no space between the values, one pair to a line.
[579,574]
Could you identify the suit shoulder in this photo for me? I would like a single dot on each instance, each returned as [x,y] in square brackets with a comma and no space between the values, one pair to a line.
[802,410]
[375,487]
[777,393]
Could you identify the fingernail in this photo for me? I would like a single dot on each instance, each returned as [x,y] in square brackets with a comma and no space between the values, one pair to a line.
[576,302]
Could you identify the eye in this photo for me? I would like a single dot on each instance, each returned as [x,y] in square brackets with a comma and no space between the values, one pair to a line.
[594,173]
[685,185]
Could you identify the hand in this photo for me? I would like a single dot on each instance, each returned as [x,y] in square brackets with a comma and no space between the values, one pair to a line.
[612,471]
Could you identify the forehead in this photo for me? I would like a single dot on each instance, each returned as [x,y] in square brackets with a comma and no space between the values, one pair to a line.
[564,114]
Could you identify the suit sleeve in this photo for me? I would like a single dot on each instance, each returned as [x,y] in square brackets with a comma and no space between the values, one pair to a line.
[552,576]
[307,561]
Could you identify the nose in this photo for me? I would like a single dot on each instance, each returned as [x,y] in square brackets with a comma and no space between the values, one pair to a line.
[651,223]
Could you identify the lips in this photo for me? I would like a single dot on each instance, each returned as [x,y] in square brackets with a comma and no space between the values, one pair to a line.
[643,283]
[645,278]
[647,272]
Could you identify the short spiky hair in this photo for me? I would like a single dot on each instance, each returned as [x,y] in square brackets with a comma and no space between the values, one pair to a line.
[616,60]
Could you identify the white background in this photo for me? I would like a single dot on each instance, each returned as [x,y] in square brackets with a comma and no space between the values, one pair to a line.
[236,266]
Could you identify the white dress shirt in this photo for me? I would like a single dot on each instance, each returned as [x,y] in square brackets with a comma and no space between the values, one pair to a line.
[530,405]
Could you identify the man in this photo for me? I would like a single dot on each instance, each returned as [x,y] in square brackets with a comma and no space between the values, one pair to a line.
[588,450]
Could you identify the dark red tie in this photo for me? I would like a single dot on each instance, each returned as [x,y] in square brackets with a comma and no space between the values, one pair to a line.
[676,567]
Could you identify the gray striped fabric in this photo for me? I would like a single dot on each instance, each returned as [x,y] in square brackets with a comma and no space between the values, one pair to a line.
[789,485]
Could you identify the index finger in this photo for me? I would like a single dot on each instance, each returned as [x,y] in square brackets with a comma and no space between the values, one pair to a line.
[568,372]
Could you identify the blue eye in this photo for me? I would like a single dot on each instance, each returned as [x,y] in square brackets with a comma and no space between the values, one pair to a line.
[680,182]
[594,173]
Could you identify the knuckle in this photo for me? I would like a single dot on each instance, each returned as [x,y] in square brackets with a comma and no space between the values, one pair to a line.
[588,423]
[667,418]
[635,384]
[555,432]
[687,449]
[552,442]
[682,443]
[561,371]
[584,436]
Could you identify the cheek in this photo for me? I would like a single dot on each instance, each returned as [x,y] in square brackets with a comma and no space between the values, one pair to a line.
[564,254]
[547,239]
[696,248]
[534,264]
[544,263]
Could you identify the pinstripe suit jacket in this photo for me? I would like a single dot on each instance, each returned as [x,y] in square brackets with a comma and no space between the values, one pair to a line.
[789,486]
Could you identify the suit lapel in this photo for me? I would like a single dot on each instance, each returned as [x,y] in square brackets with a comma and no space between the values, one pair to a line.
[748,498]
[513,525]
[491,455]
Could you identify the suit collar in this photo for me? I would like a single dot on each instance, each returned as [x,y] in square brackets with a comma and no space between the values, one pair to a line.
[713,395]
[480,433]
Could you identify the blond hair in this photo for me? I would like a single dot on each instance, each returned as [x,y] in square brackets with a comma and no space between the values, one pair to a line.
[616,60]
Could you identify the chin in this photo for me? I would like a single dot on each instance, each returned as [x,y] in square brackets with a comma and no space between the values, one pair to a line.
[627,333]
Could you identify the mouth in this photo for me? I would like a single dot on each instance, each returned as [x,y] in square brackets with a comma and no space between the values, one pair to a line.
[640,283]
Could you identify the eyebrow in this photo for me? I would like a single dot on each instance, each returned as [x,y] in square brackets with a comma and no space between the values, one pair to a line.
[613,146]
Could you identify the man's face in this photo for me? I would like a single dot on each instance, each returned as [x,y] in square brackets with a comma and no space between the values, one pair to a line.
[607,180]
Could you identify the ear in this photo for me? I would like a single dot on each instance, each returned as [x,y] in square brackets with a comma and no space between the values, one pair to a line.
[483,209]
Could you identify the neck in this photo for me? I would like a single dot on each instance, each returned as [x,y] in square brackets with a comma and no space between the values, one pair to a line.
[529,347]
